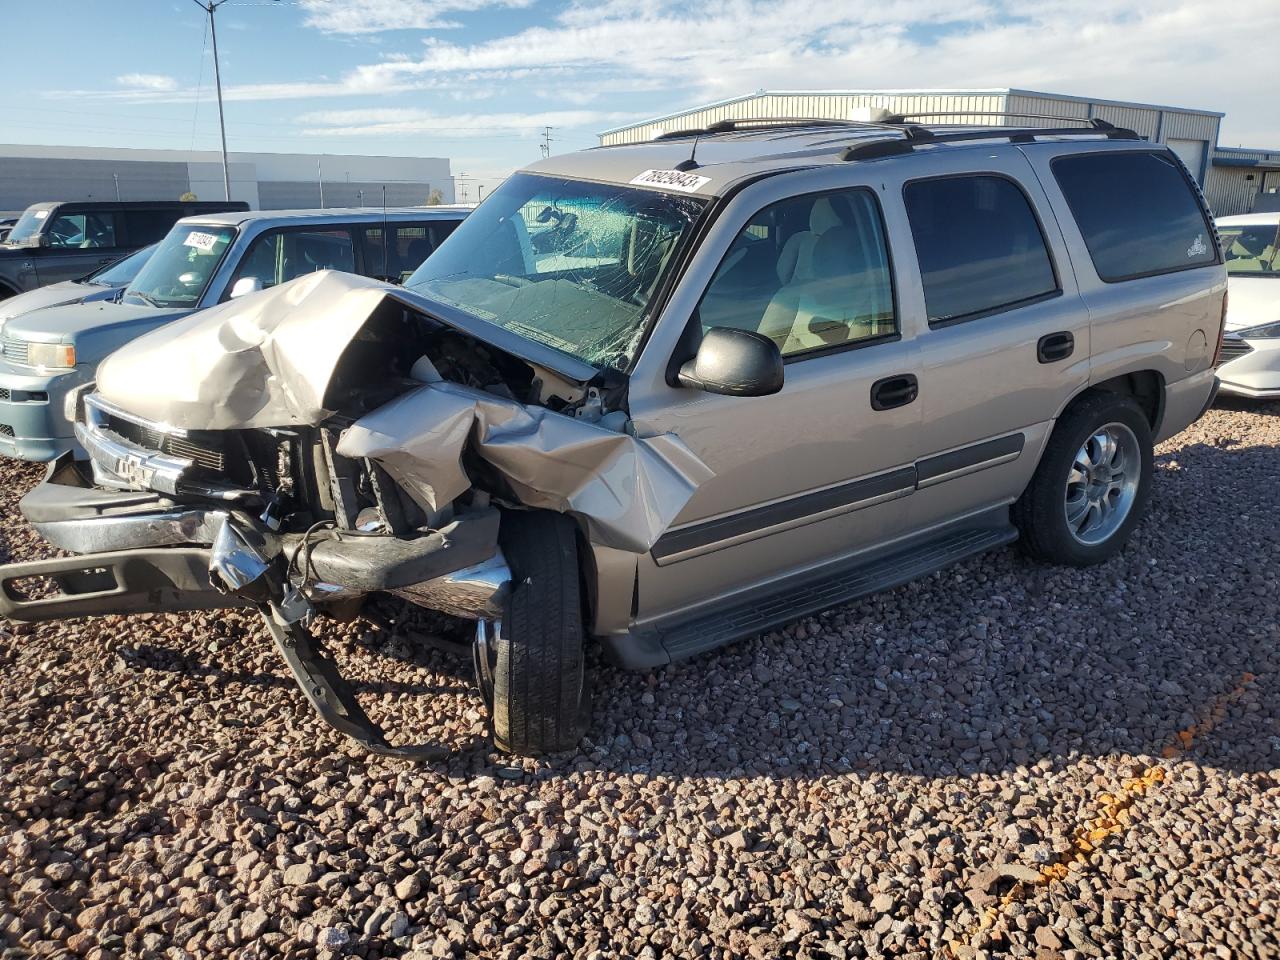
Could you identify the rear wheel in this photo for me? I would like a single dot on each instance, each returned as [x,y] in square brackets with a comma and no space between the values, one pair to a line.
[1092,484]
[540,700]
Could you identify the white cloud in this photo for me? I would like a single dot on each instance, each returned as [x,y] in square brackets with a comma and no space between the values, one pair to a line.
[405,122]
[374,16]
[663,55]
[1183,53]
[147,81]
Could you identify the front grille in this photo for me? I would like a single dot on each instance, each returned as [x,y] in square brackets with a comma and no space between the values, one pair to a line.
[15,351]
[4,393]
[205,453]
[1233,348]
[6,430]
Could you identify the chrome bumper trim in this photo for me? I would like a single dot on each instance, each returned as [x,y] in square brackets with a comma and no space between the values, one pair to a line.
[119,463]
[477,592]
[99,534]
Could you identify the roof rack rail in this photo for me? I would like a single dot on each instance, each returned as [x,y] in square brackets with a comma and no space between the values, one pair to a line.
[738,123]
[914,136]
[895,118]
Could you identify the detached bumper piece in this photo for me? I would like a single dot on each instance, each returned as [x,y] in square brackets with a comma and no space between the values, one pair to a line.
[181,557]
[333,698]
[123,582]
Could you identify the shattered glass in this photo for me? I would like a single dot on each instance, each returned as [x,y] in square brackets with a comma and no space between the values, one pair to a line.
[570,264]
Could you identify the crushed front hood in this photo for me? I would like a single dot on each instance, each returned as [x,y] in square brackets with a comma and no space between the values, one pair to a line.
[260,361]
[266,361]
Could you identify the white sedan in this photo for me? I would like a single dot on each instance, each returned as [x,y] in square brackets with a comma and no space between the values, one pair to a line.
[1250,358]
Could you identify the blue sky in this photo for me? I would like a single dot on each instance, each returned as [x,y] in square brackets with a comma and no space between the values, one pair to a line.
[476,80]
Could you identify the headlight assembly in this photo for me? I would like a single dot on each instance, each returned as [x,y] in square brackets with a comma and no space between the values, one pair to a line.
[53,356]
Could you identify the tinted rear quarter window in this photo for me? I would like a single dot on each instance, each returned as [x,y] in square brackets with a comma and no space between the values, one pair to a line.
[1138,213]
[979,246]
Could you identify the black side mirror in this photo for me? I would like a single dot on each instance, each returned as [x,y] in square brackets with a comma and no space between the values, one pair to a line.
[739,363]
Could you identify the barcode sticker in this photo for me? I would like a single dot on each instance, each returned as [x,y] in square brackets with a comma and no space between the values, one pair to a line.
[671,180]
[201,241]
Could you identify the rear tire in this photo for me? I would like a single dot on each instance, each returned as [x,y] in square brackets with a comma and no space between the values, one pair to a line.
[1092,484]
[540,701]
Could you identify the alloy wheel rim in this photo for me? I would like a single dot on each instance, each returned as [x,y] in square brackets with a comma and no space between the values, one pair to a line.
[1102,484]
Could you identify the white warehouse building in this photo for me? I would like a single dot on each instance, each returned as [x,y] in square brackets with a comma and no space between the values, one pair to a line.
[1231,178]
[266,181]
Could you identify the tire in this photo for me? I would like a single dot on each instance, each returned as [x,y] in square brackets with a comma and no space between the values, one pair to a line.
[540,702]
[1045,512]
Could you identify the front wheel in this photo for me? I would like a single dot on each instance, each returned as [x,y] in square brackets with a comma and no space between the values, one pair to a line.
[540,701]
[1092,484]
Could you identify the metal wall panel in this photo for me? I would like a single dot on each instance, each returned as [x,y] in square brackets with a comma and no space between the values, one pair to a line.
[835,106]
[1053,107]
[300,194]
[1190,126]
[1228,192]
[28,180]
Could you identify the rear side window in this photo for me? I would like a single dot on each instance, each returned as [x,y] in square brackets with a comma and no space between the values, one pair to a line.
[405,247]
[980,247]
[148,226]
[1137,212]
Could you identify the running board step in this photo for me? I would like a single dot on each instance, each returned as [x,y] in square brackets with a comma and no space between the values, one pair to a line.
[802,595]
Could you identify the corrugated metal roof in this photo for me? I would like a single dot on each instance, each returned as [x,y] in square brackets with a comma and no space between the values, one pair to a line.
[919,92]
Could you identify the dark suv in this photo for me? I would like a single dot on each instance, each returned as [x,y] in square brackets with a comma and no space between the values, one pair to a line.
[55,241]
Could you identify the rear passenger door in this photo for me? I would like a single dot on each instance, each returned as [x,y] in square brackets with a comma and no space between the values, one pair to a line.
[1005,335]
[1146,257]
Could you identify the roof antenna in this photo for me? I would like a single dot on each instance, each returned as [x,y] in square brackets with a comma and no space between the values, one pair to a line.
[691,163]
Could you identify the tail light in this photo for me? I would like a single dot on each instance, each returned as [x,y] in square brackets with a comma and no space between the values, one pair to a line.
[1222,328]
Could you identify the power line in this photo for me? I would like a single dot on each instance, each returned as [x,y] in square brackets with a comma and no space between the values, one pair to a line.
[195,114]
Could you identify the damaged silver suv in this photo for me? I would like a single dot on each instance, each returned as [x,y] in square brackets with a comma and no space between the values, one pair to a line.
[659,397]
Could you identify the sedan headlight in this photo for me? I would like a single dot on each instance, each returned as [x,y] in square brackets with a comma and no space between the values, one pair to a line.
[1268,331]
[55,356]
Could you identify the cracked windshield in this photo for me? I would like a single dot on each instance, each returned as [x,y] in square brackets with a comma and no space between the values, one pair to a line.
[569,264]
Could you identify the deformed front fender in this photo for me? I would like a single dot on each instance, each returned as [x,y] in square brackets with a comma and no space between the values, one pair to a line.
[627,490]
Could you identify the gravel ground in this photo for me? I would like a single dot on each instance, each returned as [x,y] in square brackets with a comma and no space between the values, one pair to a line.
[997,760]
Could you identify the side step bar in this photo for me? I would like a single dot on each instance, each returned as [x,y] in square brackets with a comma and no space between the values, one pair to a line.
[808,593]
[123,582]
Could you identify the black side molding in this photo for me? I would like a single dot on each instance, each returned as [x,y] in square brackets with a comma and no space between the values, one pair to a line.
[849,495]
[977,456]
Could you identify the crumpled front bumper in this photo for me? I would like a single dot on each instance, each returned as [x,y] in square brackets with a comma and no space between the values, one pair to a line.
[143,552]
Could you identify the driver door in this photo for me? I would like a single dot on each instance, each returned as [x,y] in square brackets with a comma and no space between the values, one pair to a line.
[77,243]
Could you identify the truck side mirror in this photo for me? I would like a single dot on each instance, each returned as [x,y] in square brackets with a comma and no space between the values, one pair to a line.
[737,363]
[245,286]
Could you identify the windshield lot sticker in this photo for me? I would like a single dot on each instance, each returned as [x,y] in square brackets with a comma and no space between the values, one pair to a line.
[201,241]
[1198,248]
[671,180]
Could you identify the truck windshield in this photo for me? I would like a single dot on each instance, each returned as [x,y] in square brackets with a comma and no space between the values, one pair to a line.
[1252,249]
[120,272]
[28,225]
[179,269]
[570,264]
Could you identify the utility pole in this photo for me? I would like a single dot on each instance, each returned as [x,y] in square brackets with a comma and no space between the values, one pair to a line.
[209,8]
[116,178]
[546,138]
[320,179]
